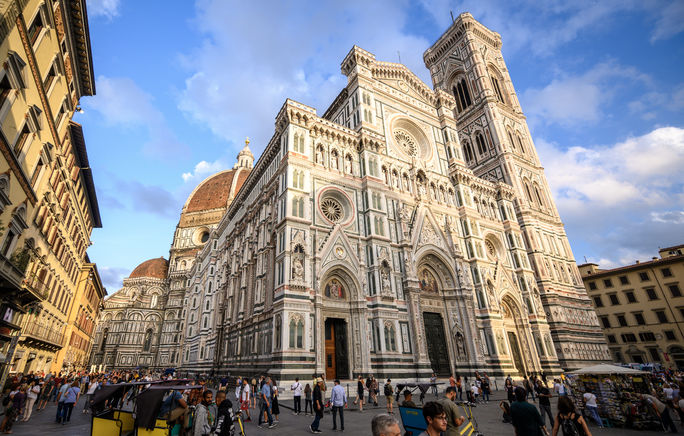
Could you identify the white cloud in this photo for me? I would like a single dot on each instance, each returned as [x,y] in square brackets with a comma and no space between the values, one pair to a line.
[570,100]
[621,200]
[122,103]
[112,277]
[204,169]
[670,21]
[105,8]
[257,54]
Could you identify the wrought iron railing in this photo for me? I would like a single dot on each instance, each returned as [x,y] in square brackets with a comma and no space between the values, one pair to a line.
[43,333]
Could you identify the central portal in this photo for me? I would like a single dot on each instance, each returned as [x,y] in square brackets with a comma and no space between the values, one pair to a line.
[436,343]
[517,357]
[336,363]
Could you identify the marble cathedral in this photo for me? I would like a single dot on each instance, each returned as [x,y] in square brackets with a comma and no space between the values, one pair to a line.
[407,230]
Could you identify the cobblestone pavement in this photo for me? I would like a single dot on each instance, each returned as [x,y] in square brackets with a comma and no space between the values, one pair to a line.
[488,417]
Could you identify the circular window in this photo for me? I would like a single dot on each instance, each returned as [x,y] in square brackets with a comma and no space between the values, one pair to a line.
[406,142]
[204,237]
[331,209]
[200,236]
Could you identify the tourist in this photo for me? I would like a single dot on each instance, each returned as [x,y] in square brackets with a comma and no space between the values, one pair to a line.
[668,392]
[389,397]
[663,412]
[14,407]
[275,406]
[202,419]
[459,387]
[529,388]
[308,404]
[485,388]
[244,399]
[569,420]
[370,383]
[254,389]
[48,388]
[559,388]
[71,396]
[338,401]
[174,409]
[60,401]
[296,387]
[452,381]
[94,385]
[508,386]
[590,404]
[476,392]
[224,414]
[526,419]
[265,410]
[31,396]
[317,406]
[506,409]
[359,393]
[385,425]
[408,399]
[436,419]
[544,402]
[453,417]
[433,384]
[468,391]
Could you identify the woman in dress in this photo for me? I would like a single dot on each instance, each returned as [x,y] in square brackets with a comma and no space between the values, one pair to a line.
[359,393]
[308,402]
[275,409]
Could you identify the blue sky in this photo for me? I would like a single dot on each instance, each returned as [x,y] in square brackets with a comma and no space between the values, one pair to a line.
[180,84]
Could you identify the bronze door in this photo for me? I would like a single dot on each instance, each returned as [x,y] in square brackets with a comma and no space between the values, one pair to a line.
[436,343]
[515,350]
[330,370]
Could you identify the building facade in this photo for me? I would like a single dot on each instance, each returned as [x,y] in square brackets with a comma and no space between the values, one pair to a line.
[49,207]
[407,230]
[641,308]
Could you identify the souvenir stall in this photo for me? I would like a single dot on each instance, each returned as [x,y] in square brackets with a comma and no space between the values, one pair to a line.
[617,392]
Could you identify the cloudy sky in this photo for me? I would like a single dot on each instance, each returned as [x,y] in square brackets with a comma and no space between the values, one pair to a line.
[180,84]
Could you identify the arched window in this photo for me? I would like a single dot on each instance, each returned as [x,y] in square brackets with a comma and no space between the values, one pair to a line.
[153,303]
[278,332]
[462,95]
[520,144]
[479,140]
[497,88]
[105,334]
[293,333]
[510,139]
[527,192]
[300,334]
[468,151]
[539,197]
[147,343]
[390,338]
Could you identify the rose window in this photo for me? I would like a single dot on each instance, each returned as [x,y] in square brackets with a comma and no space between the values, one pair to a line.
[406,142]
[331,209]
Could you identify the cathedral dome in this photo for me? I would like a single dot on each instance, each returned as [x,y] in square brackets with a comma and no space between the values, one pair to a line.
[216,191]
[153,268]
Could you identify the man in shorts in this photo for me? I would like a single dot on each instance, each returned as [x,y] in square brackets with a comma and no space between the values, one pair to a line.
[389,391]
[245,396]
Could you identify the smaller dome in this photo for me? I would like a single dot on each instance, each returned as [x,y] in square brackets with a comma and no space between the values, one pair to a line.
[153,268]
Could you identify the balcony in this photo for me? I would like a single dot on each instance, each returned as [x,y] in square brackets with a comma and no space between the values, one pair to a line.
[41,336]
[37,287]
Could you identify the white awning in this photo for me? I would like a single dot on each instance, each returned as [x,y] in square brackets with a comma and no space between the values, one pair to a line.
[606,369]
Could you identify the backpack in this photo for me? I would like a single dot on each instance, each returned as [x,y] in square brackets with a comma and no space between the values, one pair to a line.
[388,390]
[569,427]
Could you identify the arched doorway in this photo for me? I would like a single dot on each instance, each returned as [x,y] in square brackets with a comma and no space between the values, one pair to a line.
[433,278]
[512,319]
[338,288]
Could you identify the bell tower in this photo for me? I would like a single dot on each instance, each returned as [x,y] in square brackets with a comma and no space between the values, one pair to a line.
[466,61]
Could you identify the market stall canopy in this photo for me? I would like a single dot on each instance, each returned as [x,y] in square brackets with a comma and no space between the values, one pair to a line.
[607,369]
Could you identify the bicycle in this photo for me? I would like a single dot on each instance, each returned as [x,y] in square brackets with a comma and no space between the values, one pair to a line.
[471,428]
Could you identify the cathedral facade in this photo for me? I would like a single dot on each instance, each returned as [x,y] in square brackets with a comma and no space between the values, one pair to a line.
[407,230]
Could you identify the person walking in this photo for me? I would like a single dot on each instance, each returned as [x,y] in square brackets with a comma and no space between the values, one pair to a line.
[663,412]
[590,404]
[468,391]
[433,383]
[453,417]
[544,402]
[485,388]
[46,393]
[459,387]
[244,400]
[71,396]
[338,400]
[296,388]
[526,419]
[31,396]
[13,409]
[94,385]
[275,406]
[569,420]
[317,406]
[308,403]
[266,404]
[202,419]
[254,389]
[359,393]
[60,401]
[389,397]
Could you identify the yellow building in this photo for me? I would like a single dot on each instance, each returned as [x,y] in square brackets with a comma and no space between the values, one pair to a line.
[80,329]
[641,308]
[49,207]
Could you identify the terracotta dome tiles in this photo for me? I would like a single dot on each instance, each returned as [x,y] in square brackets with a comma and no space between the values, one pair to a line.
[153,268]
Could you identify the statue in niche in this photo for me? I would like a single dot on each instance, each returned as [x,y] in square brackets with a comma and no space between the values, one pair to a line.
[348,166]
[297,269]
[333,161]
[386,284]
[500,342]
[428,283]
[319,155]
[460,346]
[334,290]
[493,301]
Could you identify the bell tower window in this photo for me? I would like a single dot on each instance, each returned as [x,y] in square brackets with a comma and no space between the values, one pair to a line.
[462,95]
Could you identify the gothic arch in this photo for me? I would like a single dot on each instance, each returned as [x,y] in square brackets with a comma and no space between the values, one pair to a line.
[435,263]
[336,275]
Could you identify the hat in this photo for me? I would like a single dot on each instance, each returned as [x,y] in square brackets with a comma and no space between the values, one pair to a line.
[319,380]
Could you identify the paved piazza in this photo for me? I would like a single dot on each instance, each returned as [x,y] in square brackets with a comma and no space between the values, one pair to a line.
[488,417]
